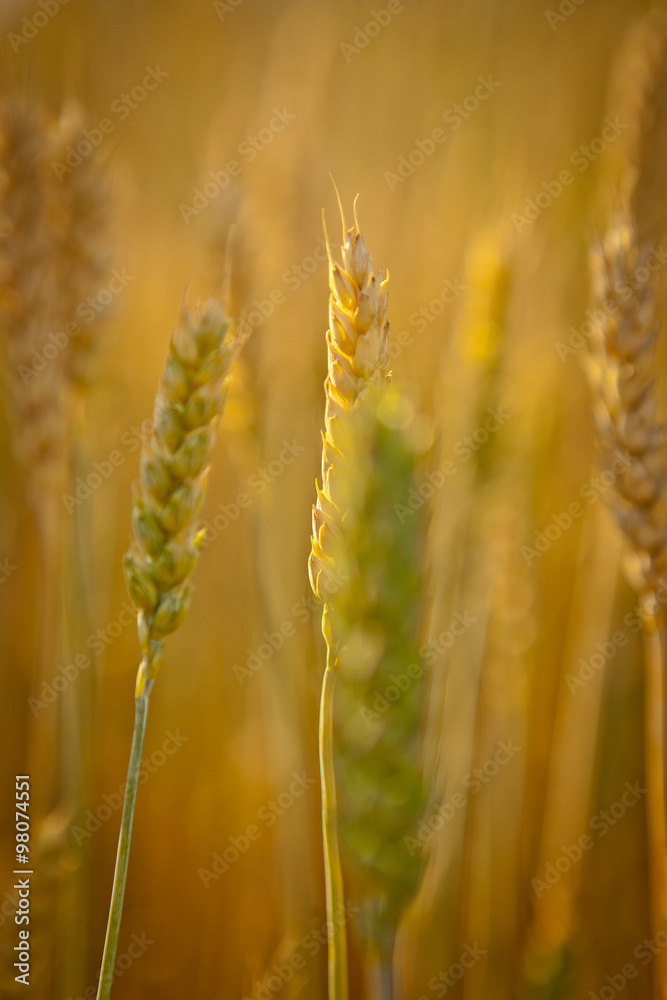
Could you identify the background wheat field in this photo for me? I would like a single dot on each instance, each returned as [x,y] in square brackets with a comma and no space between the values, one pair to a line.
[536,885]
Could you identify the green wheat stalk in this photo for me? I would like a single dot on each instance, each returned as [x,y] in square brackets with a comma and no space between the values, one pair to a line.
[167,541]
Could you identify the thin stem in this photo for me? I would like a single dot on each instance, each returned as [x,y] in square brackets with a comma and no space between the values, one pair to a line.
[333,878]
[379,977]
[125,836]
[655,781]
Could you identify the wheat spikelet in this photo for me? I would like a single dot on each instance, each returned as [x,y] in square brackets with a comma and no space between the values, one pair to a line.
[357,349]
[172,482]
[374,623]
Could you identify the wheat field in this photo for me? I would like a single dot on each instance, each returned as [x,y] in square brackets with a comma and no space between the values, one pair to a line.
[472,805]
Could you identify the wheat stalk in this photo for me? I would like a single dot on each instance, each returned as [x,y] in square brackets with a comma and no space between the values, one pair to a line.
[167,540]
[357,352]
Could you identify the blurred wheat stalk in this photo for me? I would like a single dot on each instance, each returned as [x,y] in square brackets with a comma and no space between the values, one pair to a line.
[621,368]
[53,254]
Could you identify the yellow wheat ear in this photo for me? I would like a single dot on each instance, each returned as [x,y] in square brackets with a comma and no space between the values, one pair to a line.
[358,351]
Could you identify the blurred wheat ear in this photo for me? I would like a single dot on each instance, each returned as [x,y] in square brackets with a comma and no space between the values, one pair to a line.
[621,367]
[631,435]
[41,282]
[167,540]
[378,714]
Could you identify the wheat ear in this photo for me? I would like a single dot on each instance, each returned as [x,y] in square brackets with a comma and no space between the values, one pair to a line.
[624,359]
[357,352]
[621,369]
[29,291]
[41,223]
[167,540]
[83,247]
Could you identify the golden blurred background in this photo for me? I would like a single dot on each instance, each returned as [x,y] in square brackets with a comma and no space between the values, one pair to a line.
[237,113]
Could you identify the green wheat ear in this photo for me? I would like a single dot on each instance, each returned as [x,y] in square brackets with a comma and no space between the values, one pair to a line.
[378,706]
[172,481]
[167,538]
